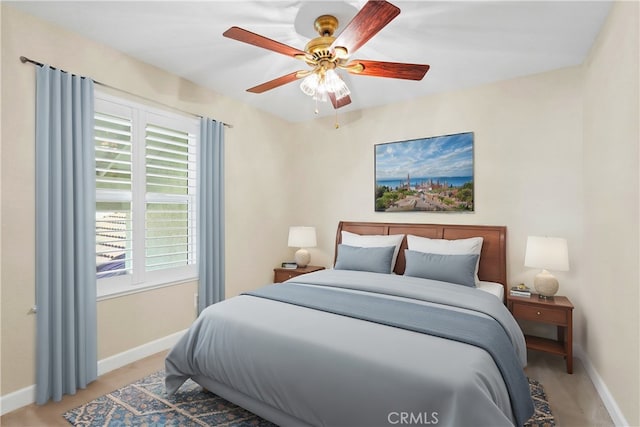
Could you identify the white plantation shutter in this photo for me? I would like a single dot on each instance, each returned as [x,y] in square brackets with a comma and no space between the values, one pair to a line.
[145,196]
[170,197]
[113,195]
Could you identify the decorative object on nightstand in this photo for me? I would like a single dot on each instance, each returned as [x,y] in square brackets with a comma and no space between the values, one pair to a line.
[558,312]
[546,253]
[281,274]
[302,238]
[520,290]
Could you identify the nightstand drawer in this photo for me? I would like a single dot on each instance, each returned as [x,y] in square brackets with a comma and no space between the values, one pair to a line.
[540,314]
[281,276]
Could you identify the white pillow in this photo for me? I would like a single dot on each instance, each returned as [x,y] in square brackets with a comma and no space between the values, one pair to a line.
[374,241]
[471,245]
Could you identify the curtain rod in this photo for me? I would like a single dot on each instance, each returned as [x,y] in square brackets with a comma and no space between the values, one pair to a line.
[24,60]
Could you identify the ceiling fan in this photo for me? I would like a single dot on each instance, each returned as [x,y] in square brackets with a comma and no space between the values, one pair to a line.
[326,53]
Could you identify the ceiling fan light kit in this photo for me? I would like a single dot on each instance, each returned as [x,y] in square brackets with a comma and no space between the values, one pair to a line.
[320,84]
[326,53]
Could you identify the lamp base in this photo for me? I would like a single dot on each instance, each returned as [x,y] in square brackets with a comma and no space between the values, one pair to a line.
[545,284]
[302,257]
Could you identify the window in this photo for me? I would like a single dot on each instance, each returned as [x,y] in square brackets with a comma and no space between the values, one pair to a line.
[145,196]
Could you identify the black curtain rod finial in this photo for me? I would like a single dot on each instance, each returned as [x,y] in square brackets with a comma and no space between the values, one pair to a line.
[24,60]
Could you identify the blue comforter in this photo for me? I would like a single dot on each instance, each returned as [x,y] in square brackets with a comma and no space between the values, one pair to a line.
[485,333]
[299,366]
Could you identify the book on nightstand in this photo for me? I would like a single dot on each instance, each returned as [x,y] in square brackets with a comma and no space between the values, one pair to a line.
[520,291]
[291,265]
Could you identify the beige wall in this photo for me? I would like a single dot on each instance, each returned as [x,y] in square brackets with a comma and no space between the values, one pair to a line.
[540,143]
[609,291]
[257,159]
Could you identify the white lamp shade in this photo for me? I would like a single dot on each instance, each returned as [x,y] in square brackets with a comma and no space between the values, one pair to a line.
[549,253]
[302,237]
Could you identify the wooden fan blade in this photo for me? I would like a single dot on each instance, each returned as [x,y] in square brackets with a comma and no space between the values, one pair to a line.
[395,70]
[272,84]
[337,103]
[245,36]
[373,17]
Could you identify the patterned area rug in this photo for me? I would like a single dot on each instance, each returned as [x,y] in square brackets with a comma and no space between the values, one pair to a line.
[144,403]
[542,417]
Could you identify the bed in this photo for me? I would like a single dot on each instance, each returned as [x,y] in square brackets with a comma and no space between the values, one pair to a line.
[355,347]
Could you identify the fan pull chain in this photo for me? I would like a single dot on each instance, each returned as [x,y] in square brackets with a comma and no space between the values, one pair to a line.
[316,110]
[337,125]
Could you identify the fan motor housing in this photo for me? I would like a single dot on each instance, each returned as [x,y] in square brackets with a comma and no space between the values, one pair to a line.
[319,47]
[325,25]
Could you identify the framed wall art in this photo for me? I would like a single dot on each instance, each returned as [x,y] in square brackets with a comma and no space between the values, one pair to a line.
[428,174]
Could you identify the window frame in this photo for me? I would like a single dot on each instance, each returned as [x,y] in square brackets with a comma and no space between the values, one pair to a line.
[142,115]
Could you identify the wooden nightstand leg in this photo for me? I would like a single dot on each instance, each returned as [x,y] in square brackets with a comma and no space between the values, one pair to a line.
[568,345]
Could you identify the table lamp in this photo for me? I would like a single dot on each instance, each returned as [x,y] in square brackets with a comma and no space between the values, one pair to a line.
[302,237]
[548,253]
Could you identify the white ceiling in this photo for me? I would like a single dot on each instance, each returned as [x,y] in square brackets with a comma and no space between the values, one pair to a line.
[466,43]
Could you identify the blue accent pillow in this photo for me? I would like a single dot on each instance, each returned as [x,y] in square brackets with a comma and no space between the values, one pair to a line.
[458,269]
[374,259]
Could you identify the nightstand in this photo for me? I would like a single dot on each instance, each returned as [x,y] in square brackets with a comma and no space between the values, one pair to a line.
[557,311]
[282,274]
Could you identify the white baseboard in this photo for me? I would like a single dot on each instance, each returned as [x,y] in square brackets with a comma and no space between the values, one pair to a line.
[17,399]
[609,402]
[121,359]
[26,396]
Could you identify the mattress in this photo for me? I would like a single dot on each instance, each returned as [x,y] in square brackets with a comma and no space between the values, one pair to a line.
[493,288]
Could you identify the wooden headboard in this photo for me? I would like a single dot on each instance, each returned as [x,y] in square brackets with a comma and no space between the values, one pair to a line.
[493,258]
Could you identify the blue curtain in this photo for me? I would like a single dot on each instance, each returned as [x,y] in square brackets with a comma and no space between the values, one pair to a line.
[210,200]
[66,344]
